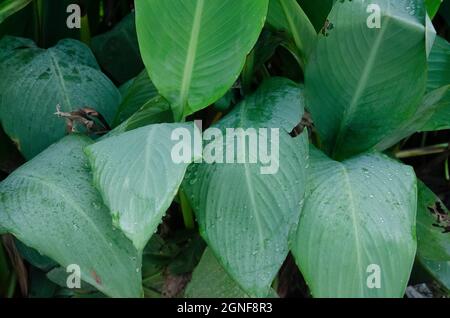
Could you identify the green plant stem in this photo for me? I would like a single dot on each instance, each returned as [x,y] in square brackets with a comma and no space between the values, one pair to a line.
[37,4]
[417,152]
[188,216]
[12,286]
[247,73]
[85,32]
[447,174]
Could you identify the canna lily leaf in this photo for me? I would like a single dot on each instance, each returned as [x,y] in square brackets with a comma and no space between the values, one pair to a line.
[50,205]
[66,74]
[439,76]
[359,217]
[348,94]
[138,178]
[287,15]
[140,91]
[179,58]
[9,7]
[245,216]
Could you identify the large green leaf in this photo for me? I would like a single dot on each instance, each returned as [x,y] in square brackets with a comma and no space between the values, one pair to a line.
[438,76]
[9,7]
[439,64]
[199,52]
[34,81]
[210,280]
[357,213]
[246,216]
[117,51]
[287,15]
[434,102]
[362,82]
[138,178]
[433,243]
[51,205]
[139,92]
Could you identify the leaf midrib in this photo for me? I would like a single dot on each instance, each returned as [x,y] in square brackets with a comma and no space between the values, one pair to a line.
[191,54]
[61,82]
[41,180]
[354,223]
[362,84]
[248,183]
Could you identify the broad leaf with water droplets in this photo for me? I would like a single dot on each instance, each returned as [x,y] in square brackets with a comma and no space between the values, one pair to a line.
[246,216]
[34,81]
[358,221]
[138,178]
[50,205]
[194,50]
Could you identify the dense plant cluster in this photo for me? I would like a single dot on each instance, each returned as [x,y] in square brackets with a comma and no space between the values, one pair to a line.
[118,168]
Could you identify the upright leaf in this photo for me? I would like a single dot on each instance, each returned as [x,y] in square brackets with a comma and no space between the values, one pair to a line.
[433,7]
[439,64]
[155,111]
[433,103]
[244,215]
[198,54]
[138,178]
[51,206]
[354,104]
[140,91]
[9,7]
[287,15]
[357,227]
[438,76]
[34,81]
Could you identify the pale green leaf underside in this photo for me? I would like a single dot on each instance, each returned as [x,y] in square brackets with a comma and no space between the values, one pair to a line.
[246,216]
[50,205]
[34,81]
[357,213]
[198,54]
[137,177]
[359,75]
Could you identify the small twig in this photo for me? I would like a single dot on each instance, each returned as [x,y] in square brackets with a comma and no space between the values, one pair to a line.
[417,152]
[85,116]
